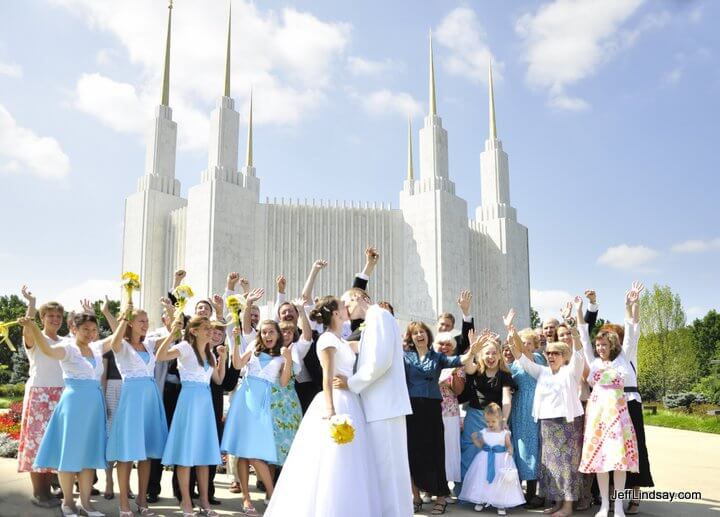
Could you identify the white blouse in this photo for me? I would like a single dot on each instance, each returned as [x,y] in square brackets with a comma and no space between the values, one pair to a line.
[188,365]
[131,365]
[44,372]
[556,395]
[76,366]
[623,362]
[271,372]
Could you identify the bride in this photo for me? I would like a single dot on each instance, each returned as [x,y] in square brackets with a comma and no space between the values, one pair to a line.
[321,477]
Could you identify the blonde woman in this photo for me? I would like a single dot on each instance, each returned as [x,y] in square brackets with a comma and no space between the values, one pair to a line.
[488,380]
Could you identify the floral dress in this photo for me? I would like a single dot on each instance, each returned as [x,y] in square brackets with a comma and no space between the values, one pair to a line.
[286,416]
[525,430]
[610,442]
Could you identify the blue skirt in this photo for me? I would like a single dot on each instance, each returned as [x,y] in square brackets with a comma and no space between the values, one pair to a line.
[249,425]
[139,427]
[193,438]
[474,422]
[75,436]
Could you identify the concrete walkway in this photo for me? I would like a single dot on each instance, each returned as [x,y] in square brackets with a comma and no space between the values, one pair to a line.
[681,461]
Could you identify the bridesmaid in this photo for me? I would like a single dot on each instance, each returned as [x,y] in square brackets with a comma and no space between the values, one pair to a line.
[193,440]
[74,441]
[42,393]
[139,429]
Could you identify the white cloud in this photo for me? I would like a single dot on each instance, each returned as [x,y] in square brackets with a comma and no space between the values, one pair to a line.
[565,102]
[628,257]
[21,149]
[548,303]
[461,32]
[11,69]
[567,40]
[385,101]
[697,246]
[359,66]
[287,56]
[93,290]
[117,105]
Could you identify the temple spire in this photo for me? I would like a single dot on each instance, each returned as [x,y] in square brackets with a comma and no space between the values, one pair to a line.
[491,100]
[249,154]
[410,170]
[226,92]
[433,105]
[165,101]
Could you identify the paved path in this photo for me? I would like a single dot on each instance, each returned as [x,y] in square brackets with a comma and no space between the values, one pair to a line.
[681,461]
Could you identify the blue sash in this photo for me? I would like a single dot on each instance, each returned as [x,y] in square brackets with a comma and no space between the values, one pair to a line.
[491,459]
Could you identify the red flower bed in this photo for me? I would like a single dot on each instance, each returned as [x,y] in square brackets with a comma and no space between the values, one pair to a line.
[9,426]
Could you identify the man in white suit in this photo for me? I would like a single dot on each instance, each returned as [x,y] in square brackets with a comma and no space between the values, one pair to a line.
[379,379]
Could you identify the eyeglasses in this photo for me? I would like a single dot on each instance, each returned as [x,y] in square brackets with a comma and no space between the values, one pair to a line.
[552,352]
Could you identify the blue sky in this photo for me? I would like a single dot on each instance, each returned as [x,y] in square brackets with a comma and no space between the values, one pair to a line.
[608,111]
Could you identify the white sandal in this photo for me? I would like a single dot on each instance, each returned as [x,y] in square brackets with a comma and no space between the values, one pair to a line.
[67,511]
[89,513]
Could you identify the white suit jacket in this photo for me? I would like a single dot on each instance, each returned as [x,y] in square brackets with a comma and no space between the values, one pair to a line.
[380,376]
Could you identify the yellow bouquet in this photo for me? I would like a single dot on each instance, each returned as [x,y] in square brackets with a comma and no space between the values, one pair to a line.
[341,429]
[182,294]
[235,303]
[130,282]
[5,333]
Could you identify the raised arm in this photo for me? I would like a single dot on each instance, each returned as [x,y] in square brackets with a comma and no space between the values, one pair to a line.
[307,291]
[372,257]
[219,371]
[632,331]
[240,360]
[54,351]
[287,370]
[468,323]
[281,283]
[164,353]
[303,321]
[591,313]
[28,338]
[105,309]
[252,297]
[178,278]
[577,357]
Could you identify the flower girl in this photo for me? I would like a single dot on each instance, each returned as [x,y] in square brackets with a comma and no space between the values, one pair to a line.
[492,479]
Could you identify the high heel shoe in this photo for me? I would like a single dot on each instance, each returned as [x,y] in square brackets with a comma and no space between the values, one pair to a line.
[144,510]
[89,513]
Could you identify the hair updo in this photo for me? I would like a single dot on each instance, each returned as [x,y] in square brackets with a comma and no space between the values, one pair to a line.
[323,311]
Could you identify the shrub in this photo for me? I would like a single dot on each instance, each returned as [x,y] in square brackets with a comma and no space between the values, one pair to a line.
[8,446]
[710,387]
[12,390]
[4,374]
[683,400]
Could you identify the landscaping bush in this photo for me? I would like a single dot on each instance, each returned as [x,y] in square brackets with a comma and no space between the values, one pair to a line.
[8,446]
[12,390]
[683,400]
[5,375]
[710,387]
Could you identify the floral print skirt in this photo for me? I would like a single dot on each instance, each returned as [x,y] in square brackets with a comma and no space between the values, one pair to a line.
[38,407]
[561,443]
[286,416]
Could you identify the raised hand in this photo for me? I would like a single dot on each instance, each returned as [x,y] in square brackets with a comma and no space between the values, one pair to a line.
[591,295]
[245,284]
[221,350]
[179,277]
[255,295]
[236,331]
[232,279]
[567,310]
[87,307]
[217,301]
[299,303]
[633,295]
[105,309]
[281,283]
[508,319]
[320,264]
[286,352]
[464,301]
[578,301]
[27,294]
[371,255]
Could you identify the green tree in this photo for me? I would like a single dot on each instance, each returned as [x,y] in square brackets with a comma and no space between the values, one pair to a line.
[11,308]
[534,319]
[661,311]
[707,335]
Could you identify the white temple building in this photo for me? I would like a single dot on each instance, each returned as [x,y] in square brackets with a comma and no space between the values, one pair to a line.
[430,249]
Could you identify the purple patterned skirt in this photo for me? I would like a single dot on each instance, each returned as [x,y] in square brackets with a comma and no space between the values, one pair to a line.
[560,458]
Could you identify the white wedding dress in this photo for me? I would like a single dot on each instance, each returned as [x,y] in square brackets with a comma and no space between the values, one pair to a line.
[320,477]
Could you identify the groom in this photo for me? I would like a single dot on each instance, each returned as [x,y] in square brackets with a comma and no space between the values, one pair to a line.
[379,379]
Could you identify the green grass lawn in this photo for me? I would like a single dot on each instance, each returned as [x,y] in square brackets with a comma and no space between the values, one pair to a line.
[677,420]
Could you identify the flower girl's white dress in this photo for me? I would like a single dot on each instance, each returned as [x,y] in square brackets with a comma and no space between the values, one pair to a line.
[505,490]
[320,477]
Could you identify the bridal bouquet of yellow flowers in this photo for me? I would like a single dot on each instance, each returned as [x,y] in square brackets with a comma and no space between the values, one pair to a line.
[130,282]
[5,333]
[182,294]
[341,429]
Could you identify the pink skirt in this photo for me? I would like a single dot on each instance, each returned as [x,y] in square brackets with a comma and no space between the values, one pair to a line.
[38,407]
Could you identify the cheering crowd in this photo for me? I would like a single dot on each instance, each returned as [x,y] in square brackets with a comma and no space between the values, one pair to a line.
[550,407]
